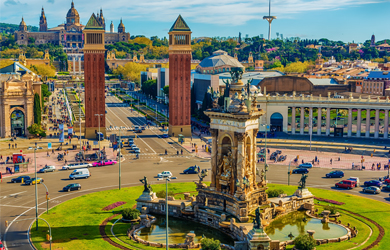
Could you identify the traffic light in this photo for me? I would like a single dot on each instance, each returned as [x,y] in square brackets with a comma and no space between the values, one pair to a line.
[6,224]
[374,150]
[372,154]
[48,237]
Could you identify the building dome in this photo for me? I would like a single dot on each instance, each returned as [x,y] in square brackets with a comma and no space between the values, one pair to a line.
[220,59]
[22,23]
[72,12]
[121,27]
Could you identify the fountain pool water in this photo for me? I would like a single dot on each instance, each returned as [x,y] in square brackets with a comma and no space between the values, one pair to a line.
[178,229]
[293,223]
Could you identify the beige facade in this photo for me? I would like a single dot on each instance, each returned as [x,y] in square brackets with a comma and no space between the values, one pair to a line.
[16,104]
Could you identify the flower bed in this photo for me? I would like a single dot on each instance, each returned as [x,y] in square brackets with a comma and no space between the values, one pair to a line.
[329,201]
[114,205]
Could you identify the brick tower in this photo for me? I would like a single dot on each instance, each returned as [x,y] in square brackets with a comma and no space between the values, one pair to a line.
[94,78]
[180,78]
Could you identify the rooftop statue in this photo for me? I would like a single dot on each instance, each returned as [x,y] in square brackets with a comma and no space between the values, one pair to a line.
[302,182]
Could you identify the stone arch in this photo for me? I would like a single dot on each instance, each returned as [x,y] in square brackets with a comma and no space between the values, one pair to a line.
[276,120]
[226,142]
[21,131]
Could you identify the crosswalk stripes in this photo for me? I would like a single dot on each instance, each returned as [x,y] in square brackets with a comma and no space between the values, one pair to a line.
[127,128]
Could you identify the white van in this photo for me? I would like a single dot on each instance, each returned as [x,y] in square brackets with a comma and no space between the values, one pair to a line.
[80,173]
[77,165]
[356,179]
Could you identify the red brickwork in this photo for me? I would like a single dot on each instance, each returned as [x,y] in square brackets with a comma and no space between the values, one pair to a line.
[179,89]
[94,89]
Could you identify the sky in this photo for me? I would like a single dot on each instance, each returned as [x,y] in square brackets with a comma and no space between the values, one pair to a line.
[340,20]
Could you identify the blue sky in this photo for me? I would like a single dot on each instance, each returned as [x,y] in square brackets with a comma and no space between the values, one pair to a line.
[345,20]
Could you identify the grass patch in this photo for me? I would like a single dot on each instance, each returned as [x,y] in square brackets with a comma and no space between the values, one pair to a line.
[75,223]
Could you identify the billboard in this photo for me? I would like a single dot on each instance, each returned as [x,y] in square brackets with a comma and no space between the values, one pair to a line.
[70,130]
[61,128]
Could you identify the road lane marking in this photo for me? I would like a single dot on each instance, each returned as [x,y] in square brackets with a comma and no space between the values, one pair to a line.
[16,193]
[3,205]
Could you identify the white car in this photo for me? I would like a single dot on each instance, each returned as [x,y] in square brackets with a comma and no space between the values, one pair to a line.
[77,165]
[137,151]
[164,174]
[133,146]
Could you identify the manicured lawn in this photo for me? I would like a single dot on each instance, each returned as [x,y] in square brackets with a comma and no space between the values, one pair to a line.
[75,224]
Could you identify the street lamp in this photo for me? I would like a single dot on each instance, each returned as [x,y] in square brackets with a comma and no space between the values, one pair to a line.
[166,207]
[265,151]
[156,114]
[289,173]
[98,115]
[36,189]
[120,155]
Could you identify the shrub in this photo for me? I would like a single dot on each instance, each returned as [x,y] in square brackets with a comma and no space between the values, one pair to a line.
[161,194]
[130,213]
[304,242]
[274,192]
[210,244]
[332,209]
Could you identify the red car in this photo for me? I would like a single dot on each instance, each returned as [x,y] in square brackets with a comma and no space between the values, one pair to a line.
[1,246]
[346,184]
[387,180]
[103,163]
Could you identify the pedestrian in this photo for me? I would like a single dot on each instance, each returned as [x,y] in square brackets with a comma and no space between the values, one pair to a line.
[16,145]
[353,165]
[12,145]
[330,161]
[1,157]
[315,159]
[9,146]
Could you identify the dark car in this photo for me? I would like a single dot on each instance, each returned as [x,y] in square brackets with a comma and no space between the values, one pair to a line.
[191,170]
[386,188]
[70,187]
[374,183]
[19,179]
[335,174]
[278,152]
[300,171]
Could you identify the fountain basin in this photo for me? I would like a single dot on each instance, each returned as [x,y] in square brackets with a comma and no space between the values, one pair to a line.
[294,223]
[177,231]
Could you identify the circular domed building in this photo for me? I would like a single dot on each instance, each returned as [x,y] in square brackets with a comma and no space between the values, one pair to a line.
[219,62]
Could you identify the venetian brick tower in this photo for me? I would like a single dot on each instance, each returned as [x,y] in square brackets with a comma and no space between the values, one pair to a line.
[180,78]
[94,77]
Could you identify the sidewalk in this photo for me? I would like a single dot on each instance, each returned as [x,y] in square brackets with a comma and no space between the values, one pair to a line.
[187,144]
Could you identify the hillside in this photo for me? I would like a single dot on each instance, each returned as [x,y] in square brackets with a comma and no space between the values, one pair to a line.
[11,28]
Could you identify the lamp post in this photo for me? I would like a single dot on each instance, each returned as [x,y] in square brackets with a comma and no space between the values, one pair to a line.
[289,173]
[80,116]
[156,114]
[98,115]
[265,151]
[120,155]
[166,208]
[36,189]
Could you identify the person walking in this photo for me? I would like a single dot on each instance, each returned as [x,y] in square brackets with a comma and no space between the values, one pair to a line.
[16,145]
[331,161]
[9,146]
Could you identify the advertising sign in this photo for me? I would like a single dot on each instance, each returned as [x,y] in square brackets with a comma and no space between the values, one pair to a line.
[61,128]
[49,145]
[70,130]
[17,158]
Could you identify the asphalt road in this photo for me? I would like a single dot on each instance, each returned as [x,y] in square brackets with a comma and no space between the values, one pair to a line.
[17,202]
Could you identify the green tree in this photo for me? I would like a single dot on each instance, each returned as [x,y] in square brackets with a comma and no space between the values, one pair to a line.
[166,90]
[37,109]
[210,244]
[36,129]
[305,242]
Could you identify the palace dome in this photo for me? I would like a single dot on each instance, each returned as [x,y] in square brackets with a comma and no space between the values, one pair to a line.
[218,59]
[72,11]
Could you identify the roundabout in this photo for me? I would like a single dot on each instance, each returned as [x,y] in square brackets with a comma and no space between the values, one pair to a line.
[82,229]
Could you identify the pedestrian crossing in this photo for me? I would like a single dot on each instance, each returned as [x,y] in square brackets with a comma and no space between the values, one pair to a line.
[156,156]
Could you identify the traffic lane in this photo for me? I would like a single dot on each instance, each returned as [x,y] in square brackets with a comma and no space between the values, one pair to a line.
[132,172]
[317,179]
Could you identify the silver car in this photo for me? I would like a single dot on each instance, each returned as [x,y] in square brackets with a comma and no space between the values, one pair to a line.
[372,189]
[47,169]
